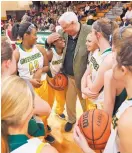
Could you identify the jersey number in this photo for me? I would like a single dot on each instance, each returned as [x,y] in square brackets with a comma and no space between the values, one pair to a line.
[33,66]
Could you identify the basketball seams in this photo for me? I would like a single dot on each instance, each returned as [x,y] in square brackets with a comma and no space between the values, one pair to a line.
[92,129]
[99,144]
[92,142]
[104,128]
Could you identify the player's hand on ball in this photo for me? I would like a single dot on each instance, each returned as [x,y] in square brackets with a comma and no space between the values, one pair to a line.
[36,83]
[80,140]
[53,37]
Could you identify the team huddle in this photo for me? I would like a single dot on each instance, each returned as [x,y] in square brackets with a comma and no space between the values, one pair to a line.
[91,62]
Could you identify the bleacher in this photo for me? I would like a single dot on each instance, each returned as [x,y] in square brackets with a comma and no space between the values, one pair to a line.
[99,13]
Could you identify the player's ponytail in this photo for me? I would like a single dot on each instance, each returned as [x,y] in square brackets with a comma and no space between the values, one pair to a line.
[19,30]
[4,144]
[119,36]
[105,26]
[15,31]
[114,26]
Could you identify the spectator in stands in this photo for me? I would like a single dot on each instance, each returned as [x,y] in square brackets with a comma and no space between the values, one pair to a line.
[92,8]
[128,14]
[42,26]
[39,19]
[125,22]
[80,15]
[124,11]
[50,20]
[25,18]
[87,7]
[104,5]
[52,27]
[9,34]
[130,23]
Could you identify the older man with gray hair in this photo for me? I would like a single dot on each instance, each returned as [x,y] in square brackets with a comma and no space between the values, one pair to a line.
[75,58]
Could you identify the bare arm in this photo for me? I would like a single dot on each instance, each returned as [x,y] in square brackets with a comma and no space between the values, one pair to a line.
[96,86]
[42,108]
[49,54]
[125,131]
[84,78]
[46,61]
[109,92]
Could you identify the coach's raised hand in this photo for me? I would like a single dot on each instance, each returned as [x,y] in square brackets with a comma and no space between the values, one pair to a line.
[52,38]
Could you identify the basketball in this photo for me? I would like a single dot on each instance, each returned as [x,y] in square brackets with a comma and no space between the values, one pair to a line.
[96,127]
[61,80]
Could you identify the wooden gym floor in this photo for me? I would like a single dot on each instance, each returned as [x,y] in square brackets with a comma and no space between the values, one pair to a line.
[64,140]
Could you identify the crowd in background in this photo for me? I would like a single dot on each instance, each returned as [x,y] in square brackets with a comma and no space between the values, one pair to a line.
[46,16]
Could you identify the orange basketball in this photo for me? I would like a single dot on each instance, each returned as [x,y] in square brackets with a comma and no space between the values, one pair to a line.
[95,126]
[61,80]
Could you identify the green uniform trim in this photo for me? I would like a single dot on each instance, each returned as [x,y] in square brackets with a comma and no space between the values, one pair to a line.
[119,100]
[15,141]
[107,50]
[49,74]
[35,129]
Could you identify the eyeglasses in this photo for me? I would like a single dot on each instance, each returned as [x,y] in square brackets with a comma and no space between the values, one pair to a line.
[122,30]
[66,27]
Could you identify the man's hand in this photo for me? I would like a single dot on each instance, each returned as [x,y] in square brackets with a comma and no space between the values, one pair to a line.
[52,37]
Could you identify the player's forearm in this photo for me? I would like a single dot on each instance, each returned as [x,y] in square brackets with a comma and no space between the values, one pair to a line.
[84,80]
[89,93]
[45,69]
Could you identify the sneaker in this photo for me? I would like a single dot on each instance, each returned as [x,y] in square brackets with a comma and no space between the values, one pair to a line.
[50,139]
[48,128]
[68,127]
[62,116]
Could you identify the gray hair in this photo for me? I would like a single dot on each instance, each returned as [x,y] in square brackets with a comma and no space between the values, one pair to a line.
[68,17]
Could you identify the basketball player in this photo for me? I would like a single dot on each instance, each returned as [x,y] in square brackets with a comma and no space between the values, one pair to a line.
[17,110]
[120,138]
[114,91]
[91,47]
[32,62]
[8,67]
[55,67]
[100,61]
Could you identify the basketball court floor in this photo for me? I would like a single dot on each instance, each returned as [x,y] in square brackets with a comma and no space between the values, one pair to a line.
[64,140]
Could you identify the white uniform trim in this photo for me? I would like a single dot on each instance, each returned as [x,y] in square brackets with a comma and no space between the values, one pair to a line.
[30,147]
[112,144]
[56,63]
[95,62]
